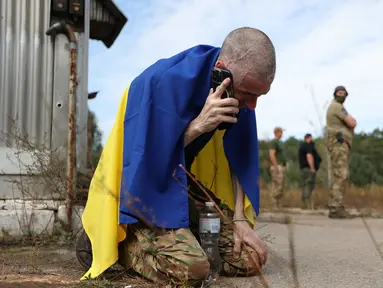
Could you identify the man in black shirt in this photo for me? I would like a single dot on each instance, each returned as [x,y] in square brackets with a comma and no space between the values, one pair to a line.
[309,162]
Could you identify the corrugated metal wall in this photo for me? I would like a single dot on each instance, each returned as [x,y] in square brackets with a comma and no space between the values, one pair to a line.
[97,12]
[26,60]
[34,81]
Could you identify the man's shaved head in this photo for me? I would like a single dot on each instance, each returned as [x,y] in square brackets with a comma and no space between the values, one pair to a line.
[249,50]
[250,57]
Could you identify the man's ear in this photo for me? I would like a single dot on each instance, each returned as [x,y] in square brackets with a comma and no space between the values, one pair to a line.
[220,64]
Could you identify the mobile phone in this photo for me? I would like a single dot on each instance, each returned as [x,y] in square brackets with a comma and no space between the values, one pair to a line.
[217,77]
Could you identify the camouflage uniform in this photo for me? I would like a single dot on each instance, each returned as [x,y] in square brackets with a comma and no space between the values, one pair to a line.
[278,175]
[176,254]
[338,142]
[278,179]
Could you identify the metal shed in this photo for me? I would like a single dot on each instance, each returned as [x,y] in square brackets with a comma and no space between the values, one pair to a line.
[35,76]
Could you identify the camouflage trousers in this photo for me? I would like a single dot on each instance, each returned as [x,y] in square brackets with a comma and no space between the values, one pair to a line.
[339,155]
[176,254]
[278,178]
[308,179]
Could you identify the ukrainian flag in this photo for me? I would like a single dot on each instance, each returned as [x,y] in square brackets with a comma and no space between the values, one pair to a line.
[145,147]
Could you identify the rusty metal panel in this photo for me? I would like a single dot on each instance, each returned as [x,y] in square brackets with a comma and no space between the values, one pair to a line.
[82,97]
[60,107]
[26,62]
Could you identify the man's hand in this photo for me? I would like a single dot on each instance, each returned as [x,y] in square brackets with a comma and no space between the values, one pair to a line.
[310,160]
[273,159]
[244,234]
[350,121]
[242,231]
[217,110]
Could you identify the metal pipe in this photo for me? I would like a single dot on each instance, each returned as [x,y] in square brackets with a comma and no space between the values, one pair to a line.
[65,28]
[90,134]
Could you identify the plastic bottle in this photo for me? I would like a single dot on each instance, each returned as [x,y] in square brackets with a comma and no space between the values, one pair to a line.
[209,231]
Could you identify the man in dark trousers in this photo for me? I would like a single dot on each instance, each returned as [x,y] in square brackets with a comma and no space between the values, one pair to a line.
[309,162]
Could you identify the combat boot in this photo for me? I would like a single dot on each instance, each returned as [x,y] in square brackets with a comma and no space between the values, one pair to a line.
[340,213]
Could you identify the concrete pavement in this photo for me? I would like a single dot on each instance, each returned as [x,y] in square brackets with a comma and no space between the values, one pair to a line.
[329,253]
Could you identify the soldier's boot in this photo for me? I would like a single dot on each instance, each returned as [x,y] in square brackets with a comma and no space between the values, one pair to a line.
[340,213]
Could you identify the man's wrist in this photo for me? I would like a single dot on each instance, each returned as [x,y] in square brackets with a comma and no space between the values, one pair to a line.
[240,219]
[196,127]
[193,131]
[238,213]
[239,209]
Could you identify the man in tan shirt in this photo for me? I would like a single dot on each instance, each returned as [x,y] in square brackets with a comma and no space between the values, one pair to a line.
[340,131]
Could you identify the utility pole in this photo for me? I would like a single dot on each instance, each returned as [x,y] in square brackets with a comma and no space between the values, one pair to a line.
[328,161]
[324,134]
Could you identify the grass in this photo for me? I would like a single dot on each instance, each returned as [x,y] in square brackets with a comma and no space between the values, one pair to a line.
[355,197]
[117,281]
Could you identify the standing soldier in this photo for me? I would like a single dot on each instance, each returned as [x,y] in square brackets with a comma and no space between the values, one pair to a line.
[340,130]
[278,167]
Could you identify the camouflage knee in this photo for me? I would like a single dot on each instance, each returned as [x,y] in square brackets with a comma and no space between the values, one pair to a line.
[175,254]
[339,161]
[277,181]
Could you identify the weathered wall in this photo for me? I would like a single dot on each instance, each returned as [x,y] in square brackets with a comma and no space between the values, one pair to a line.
[34,86]
[34,94]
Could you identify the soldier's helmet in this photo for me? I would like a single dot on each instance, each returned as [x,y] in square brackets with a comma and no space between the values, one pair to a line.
[338,88]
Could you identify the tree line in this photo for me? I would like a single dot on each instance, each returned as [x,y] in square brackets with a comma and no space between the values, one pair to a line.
[365,165]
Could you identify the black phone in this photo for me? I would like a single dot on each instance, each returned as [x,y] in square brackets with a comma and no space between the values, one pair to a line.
[217,77]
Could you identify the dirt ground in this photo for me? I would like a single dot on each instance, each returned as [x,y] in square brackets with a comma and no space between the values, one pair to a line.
[328,253]
[57,266]
[33,266]
[52,266]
